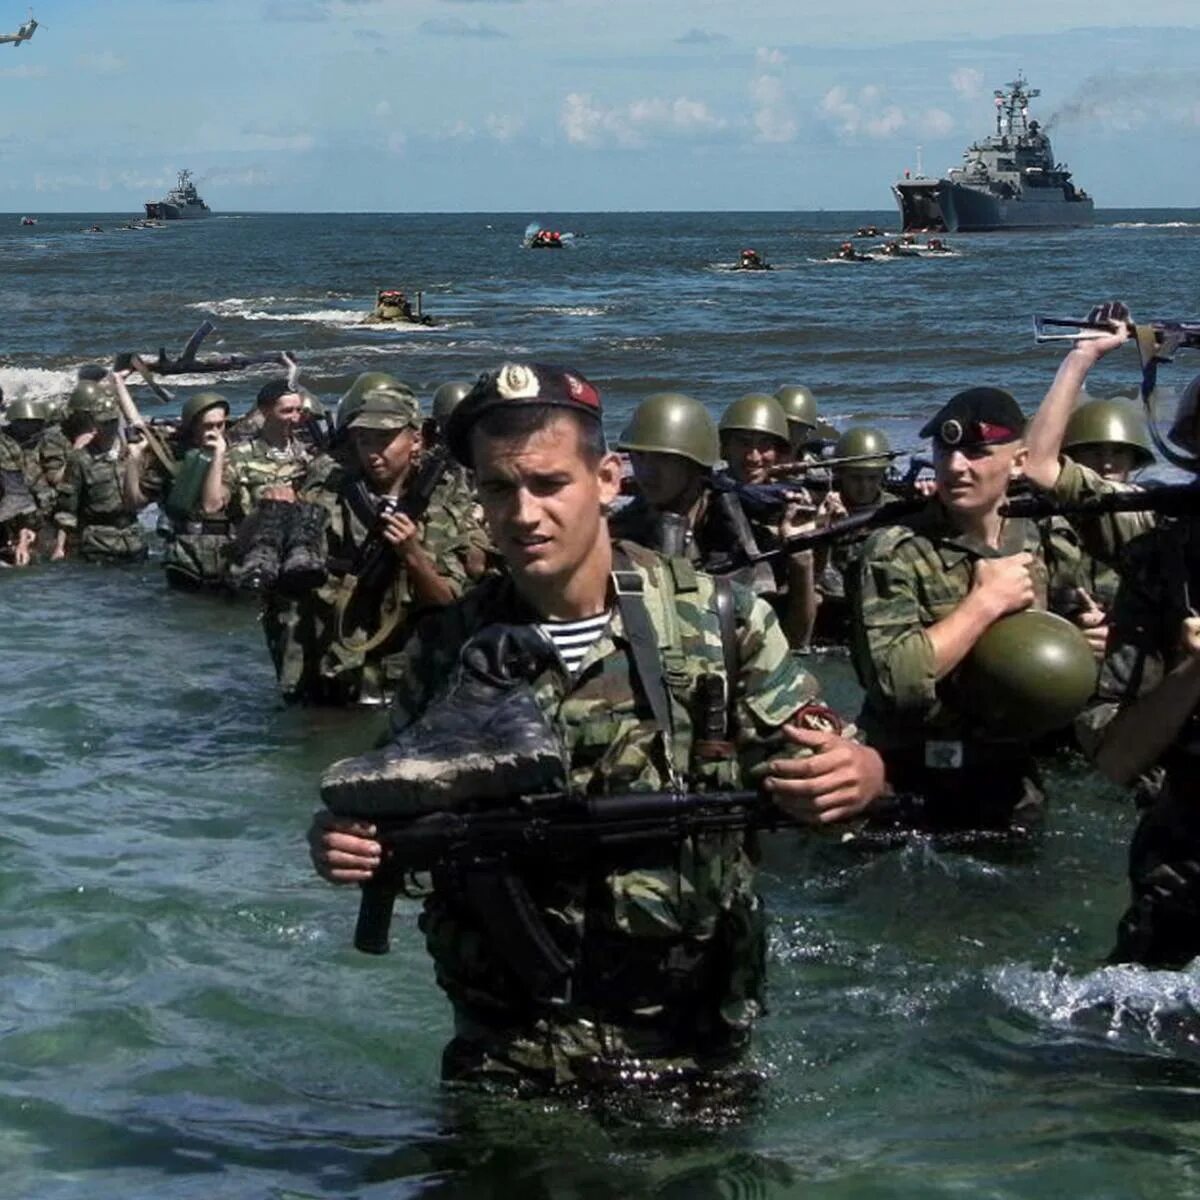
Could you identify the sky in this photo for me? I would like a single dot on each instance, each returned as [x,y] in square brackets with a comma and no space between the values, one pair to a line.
[578,105]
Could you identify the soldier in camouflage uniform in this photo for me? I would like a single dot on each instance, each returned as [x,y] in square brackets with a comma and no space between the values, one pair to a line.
[272,463]
[668,951]
[94,518]
[335,643]
[924,593]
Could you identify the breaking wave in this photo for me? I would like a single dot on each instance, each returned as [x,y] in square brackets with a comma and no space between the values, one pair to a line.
[1163,1007]
[1156,225]
[35,383]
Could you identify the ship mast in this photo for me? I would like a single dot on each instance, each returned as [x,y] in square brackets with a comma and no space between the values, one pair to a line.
[1012,107]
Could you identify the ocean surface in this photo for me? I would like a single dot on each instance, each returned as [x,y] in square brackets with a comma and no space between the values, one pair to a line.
[182,1013]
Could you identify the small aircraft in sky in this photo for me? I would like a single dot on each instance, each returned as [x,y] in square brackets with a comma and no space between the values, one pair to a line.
[23,34]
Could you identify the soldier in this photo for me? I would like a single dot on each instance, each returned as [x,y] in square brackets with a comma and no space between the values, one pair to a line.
[25,421]
[339,614]
[924,593]
[856,486]
[271,463]
[755,441]
[667,953]
[92,514]
[199,542]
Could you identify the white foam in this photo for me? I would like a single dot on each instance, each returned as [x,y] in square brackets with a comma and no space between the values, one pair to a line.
[1156,225]
[35,383]
[250,309]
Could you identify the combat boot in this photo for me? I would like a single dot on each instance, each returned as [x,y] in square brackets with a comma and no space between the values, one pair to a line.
[262,536]
[484,739]
[303,566]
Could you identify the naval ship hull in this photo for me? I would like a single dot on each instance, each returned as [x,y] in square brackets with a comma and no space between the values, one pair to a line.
[942,206]
[160,210]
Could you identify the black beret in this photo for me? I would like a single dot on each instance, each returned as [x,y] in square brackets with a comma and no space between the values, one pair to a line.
[982,416]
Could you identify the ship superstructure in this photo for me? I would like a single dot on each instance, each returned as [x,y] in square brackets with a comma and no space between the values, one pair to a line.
[181,203]
[1007,181]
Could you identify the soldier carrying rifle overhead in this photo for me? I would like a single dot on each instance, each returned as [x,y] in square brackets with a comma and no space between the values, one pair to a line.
[647,683]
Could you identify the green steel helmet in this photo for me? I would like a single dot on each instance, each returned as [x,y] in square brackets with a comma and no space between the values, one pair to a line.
[25,409]
[756,413]
[447,398]
[94,399]
[671,423]
[310,404]
[798,403]
[352,399]
[1112,421]
[1030,673]
[201,402]
[860,440]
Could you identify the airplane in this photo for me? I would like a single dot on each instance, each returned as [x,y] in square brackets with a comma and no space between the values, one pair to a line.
[23,34]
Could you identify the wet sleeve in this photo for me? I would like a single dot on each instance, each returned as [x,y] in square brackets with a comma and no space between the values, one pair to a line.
[772,686]
[70,492]
[893,654]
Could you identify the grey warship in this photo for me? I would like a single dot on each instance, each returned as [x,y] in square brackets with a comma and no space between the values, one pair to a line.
[1007,181]
[181,203]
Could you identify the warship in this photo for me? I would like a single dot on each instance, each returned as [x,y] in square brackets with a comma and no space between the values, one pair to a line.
[1007,181]
[181,203]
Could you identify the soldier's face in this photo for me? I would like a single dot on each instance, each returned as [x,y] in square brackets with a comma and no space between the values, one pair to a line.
[859,488]
[752,455]
[974,479]
[664,478]
[1109,460]
[543,500]
[385,455]
[287,412]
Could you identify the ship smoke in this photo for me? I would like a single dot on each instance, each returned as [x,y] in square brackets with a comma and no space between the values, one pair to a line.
[1124,100]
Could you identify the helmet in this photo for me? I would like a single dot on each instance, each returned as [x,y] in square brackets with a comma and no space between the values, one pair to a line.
[1031,672]
[201,402]
[671,423]
[25,409]
[352,400]
[756,413]
[447,398]
[863,439]
[798,404]
[1109,421]
[92,398]
[310,405]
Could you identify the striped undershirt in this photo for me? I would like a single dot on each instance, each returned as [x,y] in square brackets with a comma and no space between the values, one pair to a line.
[573,639]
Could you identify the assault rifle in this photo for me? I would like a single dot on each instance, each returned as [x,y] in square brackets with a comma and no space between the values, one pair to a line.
[791,469]
[1166,500]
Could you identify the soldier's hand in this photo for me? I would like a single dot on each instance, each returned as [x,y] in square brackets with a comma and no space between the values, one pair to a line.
[85,439]
[1189,637]
[1116,316]
[399,531]
[1006,583]
[832,509]
[214,441]
[342,851]
[1093,621]
[924,487]
[835,782]
[23,546]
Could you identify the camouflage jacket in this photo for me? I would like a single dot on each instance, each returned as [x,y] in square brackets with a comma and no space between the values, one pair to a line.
[1103,538]
[54,448]
[254,465]
[909,577]
[844,553]
[334,644]
[669,950]
[91,504]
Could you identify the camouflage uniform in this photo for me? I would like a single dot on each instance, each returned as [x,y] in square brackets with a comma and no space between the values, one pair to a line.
[254,465]
[91,507]
[335,644]
[198,546]
[909,577]
[669,952]
[54,448]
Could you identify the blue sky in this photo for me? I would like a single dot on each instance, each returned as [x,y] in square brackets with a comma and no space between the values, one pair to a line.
[564,105]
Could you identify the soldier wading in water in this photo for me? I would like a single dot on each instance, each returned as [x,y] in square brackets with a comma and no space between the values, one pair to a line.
[667,952]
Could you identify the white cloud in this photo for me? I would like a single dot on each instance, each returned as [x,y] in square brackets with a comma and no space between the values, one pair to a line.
[967,82]
[589,124]
[867,114]
[772,118]
[24,71]
[503,126]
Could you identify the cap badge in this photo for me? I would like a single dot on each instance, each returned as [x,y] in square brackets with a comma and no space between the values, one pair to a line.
[951,432]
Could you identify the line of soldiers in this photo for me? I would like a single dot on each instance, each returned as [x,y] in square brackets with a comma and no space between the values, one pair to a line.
[664,654]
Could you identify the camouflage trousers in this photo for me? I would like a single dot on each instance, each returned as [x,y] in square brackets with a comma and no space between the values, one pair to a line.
[112,543]
[198,561]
